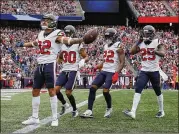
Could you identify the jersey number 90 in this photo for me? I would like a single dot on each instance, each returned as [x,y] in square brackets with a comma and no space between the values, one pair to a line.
[69,57]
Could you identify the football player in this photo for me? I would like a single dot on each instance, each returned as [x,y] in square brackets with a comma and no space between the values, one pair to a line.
[114,60]
[49,42]
[70,59]
[151,51]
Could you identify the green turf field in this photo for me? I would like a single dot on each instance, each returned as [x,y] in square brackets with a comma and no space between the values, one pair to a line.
[19,109]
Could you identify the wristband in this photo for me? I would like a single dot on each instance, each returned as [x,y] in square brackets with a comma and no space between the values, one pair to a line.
[62,40]
[69,40]
[33,44]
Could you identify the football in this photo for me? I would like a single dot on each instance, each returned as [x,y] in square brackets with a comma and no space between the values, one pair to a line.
[90,36]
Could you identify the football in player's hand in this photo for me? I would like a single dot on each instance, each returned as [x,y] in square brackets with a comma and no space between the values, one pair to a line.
[90,36]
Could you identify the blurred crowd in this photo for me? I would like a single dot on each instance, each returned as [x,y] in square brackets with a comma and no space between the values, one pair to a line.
[22,7]
[150,8]
[23,60]
[174,5]
[15,60]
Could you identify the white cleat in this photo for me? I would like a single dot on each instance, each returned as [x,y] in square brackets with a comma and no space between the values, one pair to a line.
[54,123]
[75,113]
[108,112]
[31,121]
[129,114]
[64,107]
[87,114]
[160,114]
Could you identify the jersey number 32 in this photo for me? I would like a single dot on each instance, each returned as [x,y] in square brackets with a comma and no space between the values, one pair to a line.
[44,46]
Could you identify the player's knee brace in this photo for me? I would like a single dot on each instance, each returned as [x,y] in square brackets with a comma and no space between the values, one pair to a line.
[157,91]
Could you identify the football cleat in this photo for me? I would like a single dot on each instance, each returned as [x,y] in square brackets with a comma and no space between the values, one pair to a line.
[129,114]
[31,120]
[75,113]
[64,107]
[87,114]
[54,123]
[108,112]
[160,114]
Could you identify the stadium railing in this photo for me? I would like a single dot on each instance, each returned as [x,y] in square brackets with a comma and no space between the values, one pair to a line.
[38,17]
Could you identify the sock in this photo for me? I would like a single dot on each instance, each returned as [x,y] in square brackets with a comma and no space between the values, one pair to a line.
[91,98]
[61,98]
[160,102]
[35,106]
[53,102]
[72,102]
[136,101]
[107,97]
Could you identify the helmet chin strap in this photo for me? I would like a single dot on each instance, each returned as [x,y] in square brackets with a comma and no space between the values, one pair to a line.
[44,27]
[146,38]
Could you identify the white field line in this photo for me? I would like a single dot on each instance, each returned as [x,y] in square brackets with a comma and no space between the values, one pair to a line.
[30,128]
[5,96]
[5,99]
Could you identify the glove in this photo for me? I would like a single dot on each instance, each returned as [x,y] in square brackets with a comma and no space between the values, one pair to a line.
[82,63]
[115,77]
[20,44]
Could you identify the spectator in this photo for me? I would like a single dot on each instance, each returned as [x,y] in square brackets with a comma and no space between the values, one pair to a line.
[22,81]
[23,61]
[22,7]
[150,8]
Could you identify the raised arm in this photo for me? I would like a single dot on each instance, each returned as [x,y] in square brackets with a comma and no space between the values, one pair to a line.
[84,55]
[135,48]
[85,59]
[67,40]
[28,44]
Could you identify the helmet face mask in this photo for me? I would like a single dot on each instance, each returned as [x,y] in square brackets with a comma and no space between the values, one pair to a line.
[45,23]
[68,34]
[110,36]
[48,22]
[148,33]
[69,31]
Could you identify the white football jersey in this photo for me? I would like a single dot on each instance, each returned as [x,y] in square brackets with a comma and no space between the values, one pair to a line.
[71,57]
[111,58]
[150,61]
[48,47]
